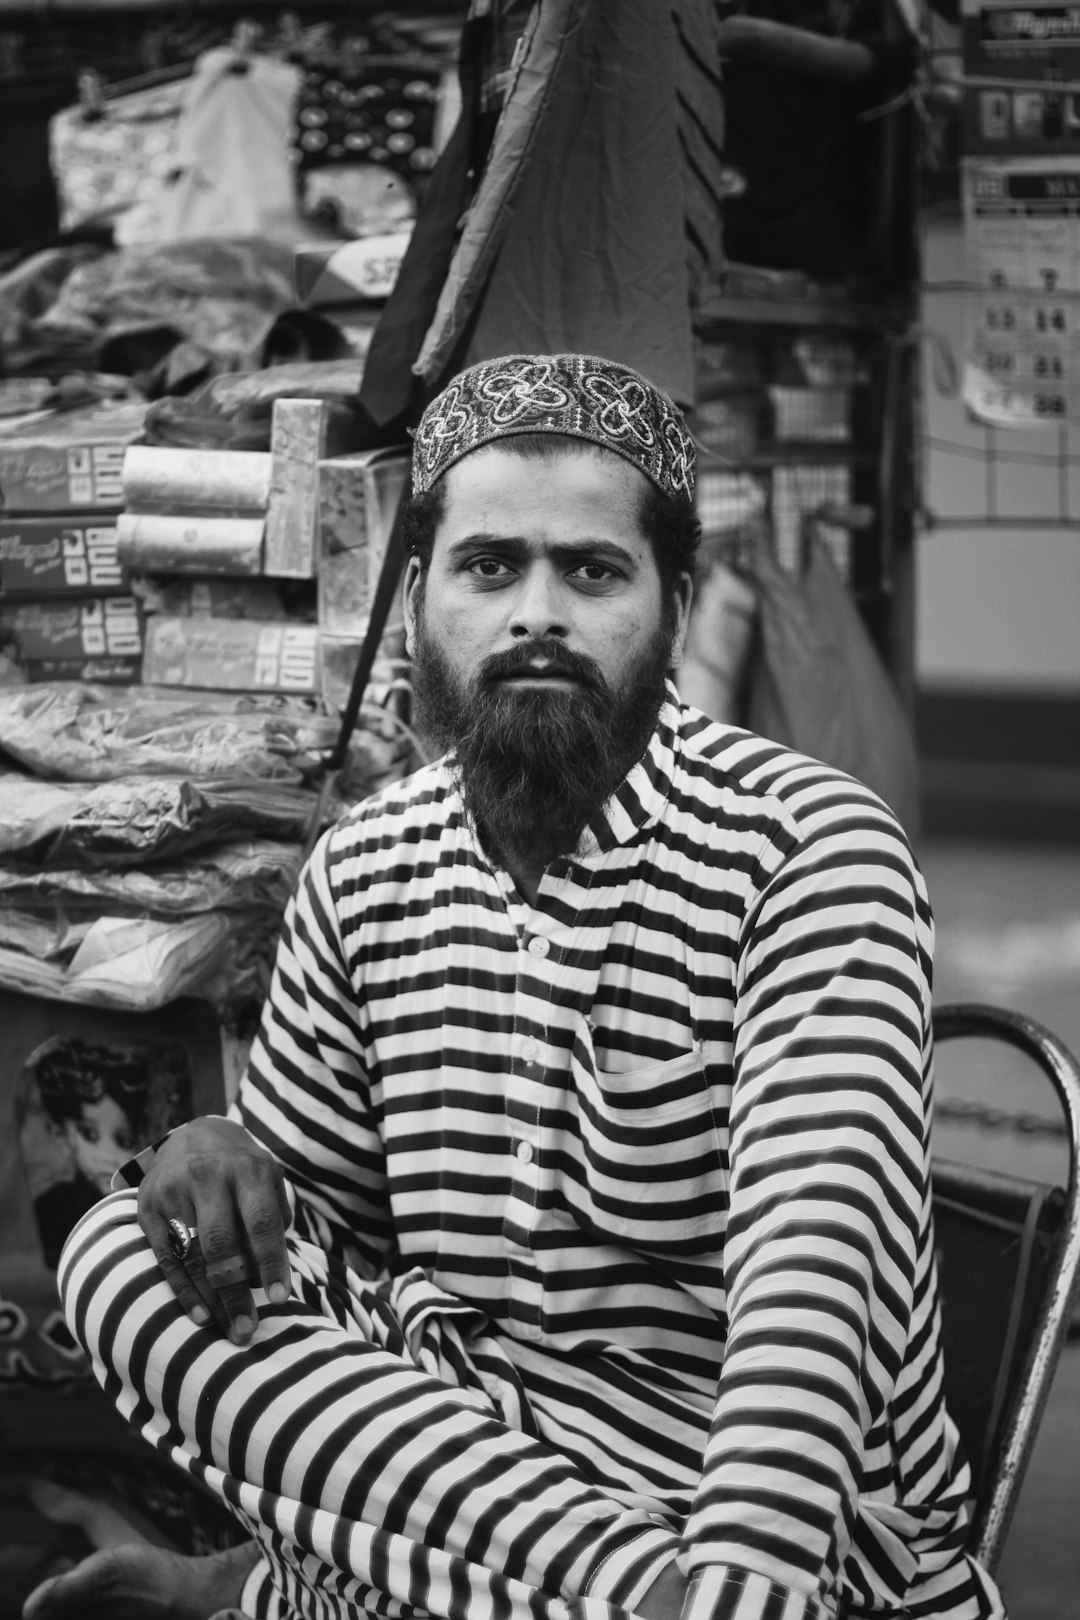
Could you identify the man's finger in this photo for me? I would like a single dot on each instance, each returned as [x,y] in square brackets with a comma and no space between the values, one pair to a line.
[174,1272]
[220,1268]
[264,1232]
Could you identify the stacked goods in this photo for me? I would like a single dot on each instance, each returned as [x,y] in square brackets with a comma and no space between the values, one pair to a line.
[147,848]
[779,408]
[200,518]
[149,842]
[149,839]
[66,608]
[357,498]
[226,546]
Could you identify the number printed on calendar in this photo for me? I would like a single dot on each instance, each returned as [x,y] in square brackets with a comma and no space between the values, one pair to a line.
[1022,234]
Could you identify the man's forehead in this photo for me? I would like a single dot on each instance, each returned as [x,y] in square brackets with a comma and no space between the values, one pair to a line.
[558,490]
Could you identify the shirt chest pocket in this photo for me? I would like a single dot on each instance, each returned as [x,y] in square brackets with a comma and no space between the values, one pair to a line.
[649,1163]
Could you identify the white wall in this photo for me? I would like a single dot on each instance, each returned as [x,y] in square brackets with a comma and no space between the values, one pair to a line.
[997,607]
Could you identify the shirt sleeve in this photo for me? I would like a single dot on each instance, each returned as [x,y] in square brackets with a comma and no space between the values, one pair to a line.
[305,1094]
[827,1177]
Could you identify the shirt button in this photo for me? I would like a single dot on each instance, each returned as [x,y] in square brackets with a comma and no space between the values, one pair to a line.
[529,1050]
[524,1152]
[539,946]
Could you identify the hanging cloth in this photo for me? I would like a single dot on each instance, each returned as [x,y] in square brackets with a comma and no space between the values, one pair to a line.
[817,684]
[577,238]
[390,390]
[232,176]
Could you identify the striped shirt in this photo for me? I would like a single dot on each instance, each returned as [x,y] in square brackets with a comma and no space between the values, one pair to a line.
[667,1128]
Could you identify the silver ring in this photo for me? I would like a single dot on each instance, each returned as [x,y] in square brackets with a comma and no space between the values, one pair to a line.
[181,1237]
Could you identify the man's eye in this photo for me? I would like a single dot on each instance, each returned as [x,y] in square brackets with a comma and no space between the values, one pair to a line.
[487,567]
[595,573]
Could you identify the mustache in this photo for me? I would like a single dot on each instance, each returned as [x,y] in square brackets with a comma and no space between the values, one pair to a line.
[559,659]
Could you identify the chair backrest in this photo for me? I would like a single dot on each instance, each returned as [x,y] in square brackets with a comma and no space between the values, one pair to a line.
[1008,1255]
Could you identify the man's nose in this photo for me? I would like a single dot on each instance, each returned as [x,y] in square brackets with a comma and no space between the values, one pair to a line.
[539,608]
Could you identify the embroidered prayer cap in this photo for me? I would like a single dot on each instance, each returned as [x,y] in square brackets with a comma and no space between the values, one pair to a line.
[575,394]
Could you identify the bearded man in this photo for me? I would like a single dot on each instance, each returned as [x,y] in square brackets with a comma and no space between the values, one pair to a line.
[582,1159]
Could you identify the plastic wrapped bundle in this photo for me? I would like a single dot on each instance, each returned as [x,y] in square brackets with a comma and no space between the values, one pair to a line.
[139,820]
[230,877]
[84,733]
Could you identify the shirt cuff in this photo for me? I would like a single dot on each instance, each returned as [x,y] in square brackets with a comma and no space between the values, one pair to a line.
[133,1171]
[727,1592]
[624,1574]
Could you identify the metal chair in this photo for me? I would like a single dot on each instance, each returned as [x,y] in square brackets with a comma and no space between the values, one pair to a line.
[1008,1257]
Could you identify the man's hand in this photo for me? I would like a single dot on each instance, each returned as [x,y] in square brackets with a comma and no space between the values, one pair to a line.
[212,1175]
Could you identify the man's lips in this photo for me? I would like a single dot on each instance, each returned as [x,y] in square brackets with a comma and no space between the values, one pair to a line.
[546,674]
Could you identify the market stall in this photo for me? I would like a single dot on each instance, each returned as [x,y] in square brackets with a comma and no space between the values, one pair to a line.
[256,244]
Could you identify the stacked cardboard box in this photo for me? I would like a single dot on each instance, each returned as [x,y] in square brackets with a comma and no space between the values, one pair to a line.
[66,609]
[255,568]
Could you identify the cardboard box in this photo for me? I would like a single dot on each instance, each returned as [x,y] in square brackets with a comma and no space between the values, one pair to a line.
[734,425]
[338,658]
[298,442]
[95,671]
[358,497]
[266,599]
[66,628]
[161,478]
[197,543]
[61,554]
[812,413]
[342,272]
[232,655]
[728,362]
[68,462]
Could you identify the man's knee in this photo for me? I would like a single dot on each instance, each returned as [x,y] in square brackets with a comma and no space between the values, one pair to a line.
[104,1253]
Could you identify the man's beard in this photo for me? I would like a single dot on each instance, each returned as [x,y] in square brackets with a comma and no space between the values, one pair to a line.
[534,764]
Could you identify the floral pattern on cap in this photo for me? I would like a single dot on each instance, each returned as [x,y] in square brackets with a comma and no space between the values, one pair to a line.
[575,394]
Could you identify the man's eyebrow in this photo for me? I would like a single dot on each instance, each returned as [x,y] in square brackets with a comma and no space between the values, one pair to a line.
[514,546]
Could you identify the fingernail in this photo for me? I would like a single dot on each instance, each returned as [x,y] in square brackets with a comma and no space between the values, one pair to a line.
[242,1329]
[278,1293]
[200,1315]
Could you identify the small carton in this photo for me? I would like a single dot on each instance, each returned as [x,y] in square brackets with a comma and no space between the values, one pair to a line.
[72,628]
[42,556]
[194,543]
[298,442]
[232,655]
[358,498]
[69,461]
[93,671]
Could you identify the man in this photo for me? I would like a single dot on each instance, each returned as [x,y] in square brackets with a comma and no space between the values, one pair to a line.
[592,1091]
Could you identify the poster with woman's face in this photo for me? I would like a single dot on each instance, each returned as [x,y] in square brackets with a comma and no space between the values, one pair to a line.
[85,1107]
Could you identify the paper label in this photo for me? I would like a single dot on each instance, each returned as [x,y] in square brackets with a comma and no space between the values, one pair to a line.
[1022,231]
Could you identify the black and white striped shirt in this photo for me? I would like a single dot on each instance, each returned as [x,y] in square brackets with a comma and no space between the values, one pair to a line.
[667,1128]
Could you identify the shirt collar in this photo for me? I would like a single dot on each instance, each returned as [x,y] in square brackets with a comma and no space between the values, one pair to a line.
[640,798]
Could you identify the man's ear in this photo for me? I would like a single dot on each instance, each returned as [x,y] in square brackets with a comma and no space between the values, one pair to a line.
[411,587]
[684,596]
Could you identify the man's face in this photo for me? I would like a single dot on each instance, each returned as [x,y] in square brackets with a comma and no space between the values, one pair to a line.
[553,550]
[540,638]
